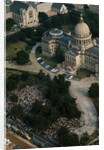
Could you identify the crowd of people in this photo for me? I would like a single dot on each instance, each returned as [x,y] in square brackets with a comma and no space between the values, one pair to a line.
[27,96]
[63,121]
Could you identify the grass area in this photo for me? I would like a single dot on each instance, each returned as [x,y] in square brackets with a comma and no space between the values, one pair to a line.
[68,27]
[10,72]
[13,48]
[83,73]
[49,61]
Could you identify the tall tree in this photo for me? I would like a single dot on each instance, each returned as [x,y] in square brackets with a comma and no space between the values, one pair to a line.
[22,57]
[94,90]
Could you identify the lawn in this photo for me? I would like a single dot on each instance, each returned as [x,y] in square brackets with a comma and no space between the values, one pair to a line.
[9,72]
[49,61]
[83,73]
[13,48]
[68,27]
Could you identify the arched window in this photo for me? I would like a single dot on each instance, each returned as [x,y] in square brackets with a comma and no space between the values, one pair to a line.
[30,14]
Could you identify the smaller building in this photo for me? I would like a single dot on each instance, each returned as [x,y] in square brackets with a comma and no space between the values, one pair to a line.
[92,59]
[43,7]
[59,8]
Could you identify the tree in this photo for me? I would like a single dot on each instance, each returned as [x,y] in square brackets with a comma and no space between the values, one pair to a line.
[11,84]
[17,111]
[66,138]
[14,98]
[22,57]
[25,76]
[86,7]
[36,107]
[94,90]
[29,32]
[9,23]
[58,55]
[70,6]
[84,139]
[42,17]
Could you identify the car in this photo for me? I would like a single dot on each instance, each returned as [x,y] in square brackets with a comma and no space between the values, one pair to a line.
[47,66]
[42,63]
[39,58]
[26,135]
[75,97]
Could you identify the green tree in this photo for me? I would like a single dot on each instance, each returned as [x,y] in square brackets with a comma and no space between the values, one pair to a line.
[86,7]
[42,17]
[36,107]
[66,138]
[17,111]
[9,23]
[25,76]
[59,57]
[22,57]
[70,6]
[11,84]
[14,98]
[94,90]
[84,139]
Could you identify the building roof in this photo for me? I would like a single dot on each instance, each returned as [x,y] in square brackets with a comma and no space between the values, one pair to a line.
[32,4]
[73,51]
[94,50]
[66,39]
[57,5]
[17,5]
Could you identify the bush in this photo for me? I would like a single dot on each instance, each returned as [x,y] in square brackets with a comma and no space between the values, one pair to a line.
[94,90]
[9,23]
[22,57]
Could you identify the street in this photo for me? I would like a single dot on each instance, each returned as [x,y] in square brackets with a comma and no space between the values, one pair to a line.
[19,140]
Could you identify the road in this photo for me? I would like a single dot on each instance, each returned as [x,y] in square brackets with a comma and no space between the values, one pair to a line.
[14,138]
[89,115]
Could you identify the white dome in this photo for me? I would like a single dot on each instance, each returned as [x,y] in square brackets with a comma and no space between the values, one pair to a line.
[82,29]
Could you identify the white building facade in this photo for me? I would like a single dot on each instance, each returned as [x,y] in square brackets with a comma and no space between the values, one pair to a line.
[24,14]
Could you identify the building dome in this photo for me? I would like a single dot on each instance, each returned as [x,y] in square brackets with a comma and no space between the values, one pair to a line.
[81,29]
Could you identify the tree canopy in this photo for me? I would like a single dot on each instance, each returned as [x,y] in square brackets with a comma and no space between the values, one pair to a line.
[17,111]
[66,138]
[22,57]
[9,23]
[94,90]
[42,17]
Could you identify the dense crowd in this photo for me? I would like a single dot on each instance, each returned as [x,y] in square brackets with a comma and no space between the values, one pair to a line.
[63,121]
[27,96]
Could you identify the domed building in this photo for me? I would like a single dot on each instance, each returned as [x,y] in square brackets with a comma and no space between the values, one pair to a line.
[82,35]
[77,48]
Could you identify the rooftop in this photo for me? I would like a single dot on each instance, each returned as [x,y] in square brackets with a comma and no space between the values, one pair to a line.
[57,5]
[94,50]
[17,5]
